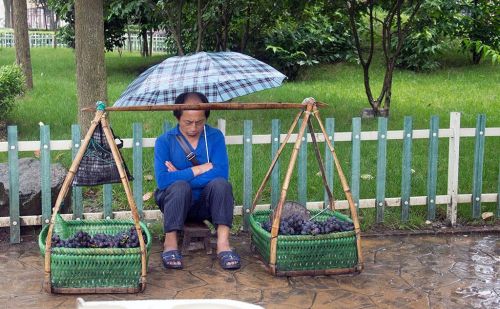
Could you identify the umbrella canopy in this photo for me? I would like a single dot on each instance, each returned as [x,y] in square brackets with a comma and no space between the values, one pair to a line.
[219,76]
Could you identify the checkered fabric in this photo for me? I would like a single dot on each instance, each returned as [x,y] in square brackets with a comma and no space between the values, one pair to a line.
[219,76]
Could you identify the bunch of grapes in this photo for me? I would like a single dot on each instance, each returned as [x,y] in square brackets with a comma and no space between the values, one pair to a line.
[81,239]
[296,225]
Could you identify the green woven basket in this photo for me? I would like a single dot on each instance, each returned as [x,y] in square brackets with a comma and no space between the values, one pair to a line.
[307,254]
[91,269]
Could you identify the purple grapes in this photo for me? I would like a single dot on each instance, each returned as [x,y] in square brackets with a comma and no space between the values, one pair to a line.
[81,239]
[296,225]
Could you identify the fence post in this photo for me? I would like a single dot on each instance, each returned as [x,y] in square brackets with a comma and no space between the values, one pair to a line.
[355,160]
[477,184]
[453,164]
[247,172]
[45,179]
[432,169]
[76,195]
[221,125]
[302,170]
[13,166]
[275,175]
[381,168]
[107,200]
[406,168]
[498,193]
[330,131]
[137,161]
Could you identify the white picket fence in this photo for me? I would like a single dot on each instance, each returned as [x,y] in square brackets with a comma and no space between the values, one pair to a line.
[47,39]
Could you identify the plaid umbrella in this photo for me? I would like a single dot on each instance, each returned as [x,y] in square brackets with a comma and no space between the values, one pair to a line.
[219,76]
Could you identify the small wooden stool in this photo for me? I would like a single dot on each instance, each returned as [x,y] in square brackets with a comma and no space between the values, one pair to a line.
[196,233]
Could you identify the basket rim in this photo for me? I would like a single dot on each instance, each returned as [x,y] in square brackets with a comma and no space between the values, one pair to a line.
[258,228]
[101,251]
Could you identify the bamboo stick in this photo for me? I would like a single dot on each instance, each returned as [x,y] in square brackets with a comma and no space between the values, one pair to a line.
[205,106]
[62,194]
[345,187]
[291,165]
[275,159]
[123,176]
[320,164]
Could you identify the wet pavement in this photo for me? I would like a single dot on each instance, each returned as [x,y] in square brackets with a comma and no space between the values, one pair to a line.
[400,272]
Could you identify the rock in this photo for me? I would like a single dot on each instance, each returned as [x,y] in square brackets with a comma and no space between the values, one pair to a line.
[368,113]
[30,188]
[428,222]
[487,216]
[290,208]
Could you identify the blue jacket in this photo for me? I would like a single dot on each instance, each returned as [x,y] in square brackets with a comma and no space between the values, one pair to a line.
[167,148]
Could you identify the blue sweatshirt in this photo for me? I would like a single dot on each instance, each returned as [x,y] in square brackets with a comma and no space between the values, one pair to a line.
[167,148]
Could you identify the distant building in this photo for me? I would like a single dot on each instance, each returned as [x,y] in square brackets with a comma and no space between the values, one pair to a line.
[39,17]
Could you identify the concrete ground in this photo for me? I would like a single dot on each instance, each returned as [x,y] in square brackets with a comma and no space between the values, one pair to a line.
[400,272]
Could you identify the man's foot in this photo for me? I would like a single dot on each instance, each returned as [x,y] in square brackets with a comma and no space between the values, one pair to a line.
[229,260]
[172,259]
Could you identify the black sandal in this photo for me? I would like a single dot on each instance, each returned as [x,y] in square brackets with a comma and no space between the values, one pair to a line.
[172,259]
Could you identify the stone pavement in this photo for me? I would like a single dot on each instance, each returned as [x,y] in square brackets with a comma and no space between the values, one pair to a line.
[400,272]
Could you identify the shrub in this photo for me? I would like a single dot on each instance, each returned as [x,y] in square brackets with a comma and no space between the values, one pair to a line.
[319,38]
[12,84]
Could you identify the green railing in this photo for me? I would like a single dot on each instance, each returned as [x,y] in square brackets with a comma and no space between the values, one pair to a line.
[137,143]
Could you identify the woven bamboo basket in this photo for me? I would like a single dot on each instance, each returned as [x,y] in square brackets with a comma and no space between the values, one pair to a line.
[94,270]
[333,253]
[294,255]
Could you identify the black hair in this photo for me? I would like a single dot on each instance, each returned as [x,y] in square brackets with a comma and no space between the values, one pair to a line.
[181,99]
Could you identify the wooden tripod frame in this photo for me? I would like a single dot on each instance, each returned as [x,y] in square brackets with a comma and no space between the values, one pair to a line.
[310,108]
[100,117]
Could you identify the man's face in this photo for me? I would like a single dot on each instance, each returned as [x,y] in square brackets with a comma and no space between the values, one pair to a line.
[191,122]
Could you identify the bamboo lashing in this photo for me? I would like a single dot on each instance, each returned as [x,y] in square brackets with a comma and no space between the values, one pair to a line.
[205,106]
[345,187]
[277,214]
[64,190]
[123,176]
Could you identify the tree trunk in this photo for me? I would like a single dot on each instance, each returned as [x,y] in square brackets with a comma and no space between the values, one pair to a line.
[22,40]
[7,4]
[89,54]
[476,57]
[246,30]
[150,53]
[144,49]
[129,39]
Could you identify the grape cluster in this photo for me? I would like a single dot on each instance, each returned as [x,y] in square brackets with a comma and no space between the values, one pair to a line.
[296,225]
[81,239]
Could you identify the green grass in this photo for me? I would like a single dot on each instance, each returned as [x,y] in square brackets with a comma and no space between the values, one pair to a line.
[457,86]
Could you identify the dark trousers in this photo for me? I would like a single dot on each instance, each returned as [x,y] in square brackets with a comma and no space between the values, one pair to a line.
[177,205]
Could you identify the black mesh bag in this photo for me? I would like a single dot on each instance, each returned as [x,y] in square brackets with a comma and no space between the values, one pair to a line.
[98,166]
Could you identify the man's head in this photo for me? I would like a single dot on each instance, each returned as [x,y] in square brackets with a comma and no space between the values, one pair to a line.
[191,122]
[190,98]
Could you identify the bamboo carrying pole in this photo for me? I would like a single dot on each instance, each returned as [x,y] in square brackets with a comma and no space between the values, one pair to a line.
[64,190]
[130,197]
[204,106]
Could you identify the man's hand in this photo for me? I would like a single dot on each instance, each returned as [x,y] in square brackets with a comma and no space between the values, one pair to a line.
[170,166]
[202,168]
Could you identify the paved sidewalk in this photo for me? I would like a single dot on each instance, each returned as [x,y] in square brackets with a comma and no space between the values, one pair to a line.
[400,272]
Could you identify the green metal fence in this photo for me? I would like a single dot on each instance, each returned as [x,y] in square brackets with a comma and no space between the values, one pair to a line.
[356,137]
